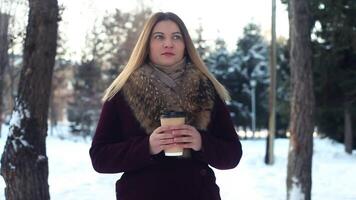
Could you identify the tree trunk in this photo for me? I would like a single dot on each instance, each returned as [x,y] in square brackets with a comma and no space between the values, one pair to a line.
[4,58]
[348,129]
[299,169]
[51,111]
[24,163]
[269,158]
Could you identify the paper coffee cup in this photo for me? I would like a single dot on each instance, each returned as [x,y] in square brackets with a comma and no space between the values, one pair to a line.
[173,119]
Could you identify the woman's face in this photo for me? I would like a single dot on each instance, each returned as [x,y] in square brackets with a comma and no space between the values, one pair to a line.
[166,44]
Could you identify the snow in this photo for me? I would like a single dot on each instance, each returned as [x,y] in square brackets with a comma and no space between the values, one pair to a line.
[15,118]
[296,192]
[41,158]
[72,177]
[18,114]
[15,122]
[19,141]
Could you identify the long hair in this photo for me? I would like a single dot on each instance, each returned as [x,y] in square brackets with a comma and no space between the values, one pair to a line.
[140,53]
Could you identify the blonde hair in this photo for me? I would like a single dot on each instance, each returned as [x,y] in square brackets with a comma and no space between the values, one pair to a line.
[140,54]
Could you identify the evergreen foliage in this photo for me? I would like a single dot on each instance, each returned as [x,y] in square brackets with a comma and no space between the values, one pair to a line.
[252,57]
[84,110]
[334,43]
[250,61]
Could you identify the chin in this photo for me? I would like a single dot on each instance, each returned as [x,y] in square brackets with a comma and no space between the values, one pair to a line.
[167,63]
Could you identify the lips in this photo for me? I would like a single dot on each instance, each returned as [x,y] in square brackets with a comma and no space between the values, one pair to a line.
[168,54]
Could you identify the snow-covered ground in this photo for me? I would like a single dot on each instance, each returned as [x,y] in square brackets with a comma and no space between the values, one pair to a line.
[71,176]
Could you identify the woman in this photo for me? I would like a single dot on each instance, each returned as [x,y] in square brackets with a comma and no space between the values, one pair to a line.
[165,73]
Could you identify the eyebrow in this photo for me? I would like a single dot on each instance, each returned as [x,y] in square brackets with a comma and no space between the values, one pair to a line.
[161,33]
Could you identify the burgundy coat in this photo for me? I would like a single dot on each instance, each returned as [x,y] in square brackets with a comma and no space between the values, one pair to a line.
[121,145]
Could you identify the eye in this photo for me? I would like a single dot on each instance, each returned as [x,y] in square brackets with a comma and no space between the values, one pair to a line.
[158,37]
[177,37]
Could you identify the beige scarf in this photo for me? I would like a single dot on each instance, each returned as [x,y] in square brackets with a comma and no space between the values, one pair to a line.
[168,82]
[152,90]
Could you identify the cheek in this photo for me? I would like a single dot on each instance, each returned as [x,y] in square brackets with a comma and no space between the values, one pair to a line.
[153,50]
[182,49]
[154,44]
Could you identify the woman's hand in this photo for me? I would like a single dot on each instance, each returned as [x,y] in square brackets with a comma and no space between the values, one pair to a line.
[164,137]
[160,139]
[187,136]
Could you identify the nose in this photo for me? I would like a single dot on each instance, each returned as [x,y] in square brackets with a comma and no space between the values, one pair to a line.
[168,43]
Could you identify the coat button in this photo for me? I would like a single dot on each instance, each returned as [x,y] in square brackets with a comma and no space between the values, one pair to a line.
[203,172]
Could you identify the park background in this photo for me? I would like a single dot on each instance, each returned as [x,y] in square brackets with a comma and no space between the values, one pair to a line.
[233,38]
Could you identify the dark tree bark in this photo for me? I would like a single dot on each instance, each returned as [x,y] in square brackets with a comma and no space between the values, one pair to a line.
[4,58]
[299,169]
[348,139]
[24,163]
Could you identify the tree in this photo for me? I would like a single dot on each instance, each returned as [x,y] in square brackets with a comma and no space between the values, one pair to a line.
[61,91]
[235,70]
[120,33]
[283,88]
[108,49]
[4,57]
[221,64]
[24,163]
[219,61]
[252,57]
[83,111]
[200,44]
[84,108]
[299,178]
[9,37]
[334,69]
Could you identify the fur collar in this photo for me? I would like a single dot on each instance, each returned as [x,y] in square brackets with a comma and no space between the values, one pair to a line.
[148,102]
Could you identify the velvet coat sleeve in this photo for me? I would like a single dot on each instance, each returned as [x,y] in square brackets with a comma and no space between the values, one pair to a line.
[111,151]
[221,147]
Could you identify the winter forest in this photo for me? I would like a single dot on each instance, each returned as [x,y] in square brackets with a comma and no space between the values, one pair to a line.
[293,100]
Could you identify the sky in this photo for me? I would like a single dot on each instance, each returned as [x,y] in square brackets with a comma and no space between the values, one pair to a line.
[223,18]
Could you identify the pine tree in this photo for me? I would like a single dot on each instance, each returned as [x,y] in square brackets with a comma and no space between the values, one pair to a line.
[83,111]
[283,88]
[252,58]
[221,65]
[335,68]
[200,44]
[219,60]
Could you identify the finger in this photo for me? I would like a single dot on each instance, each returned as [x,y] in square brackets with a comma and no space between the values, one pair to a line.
[183,139]
[182,133]
[161,129]
[166,141]
[165,135]
[185,126]
[182,126]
